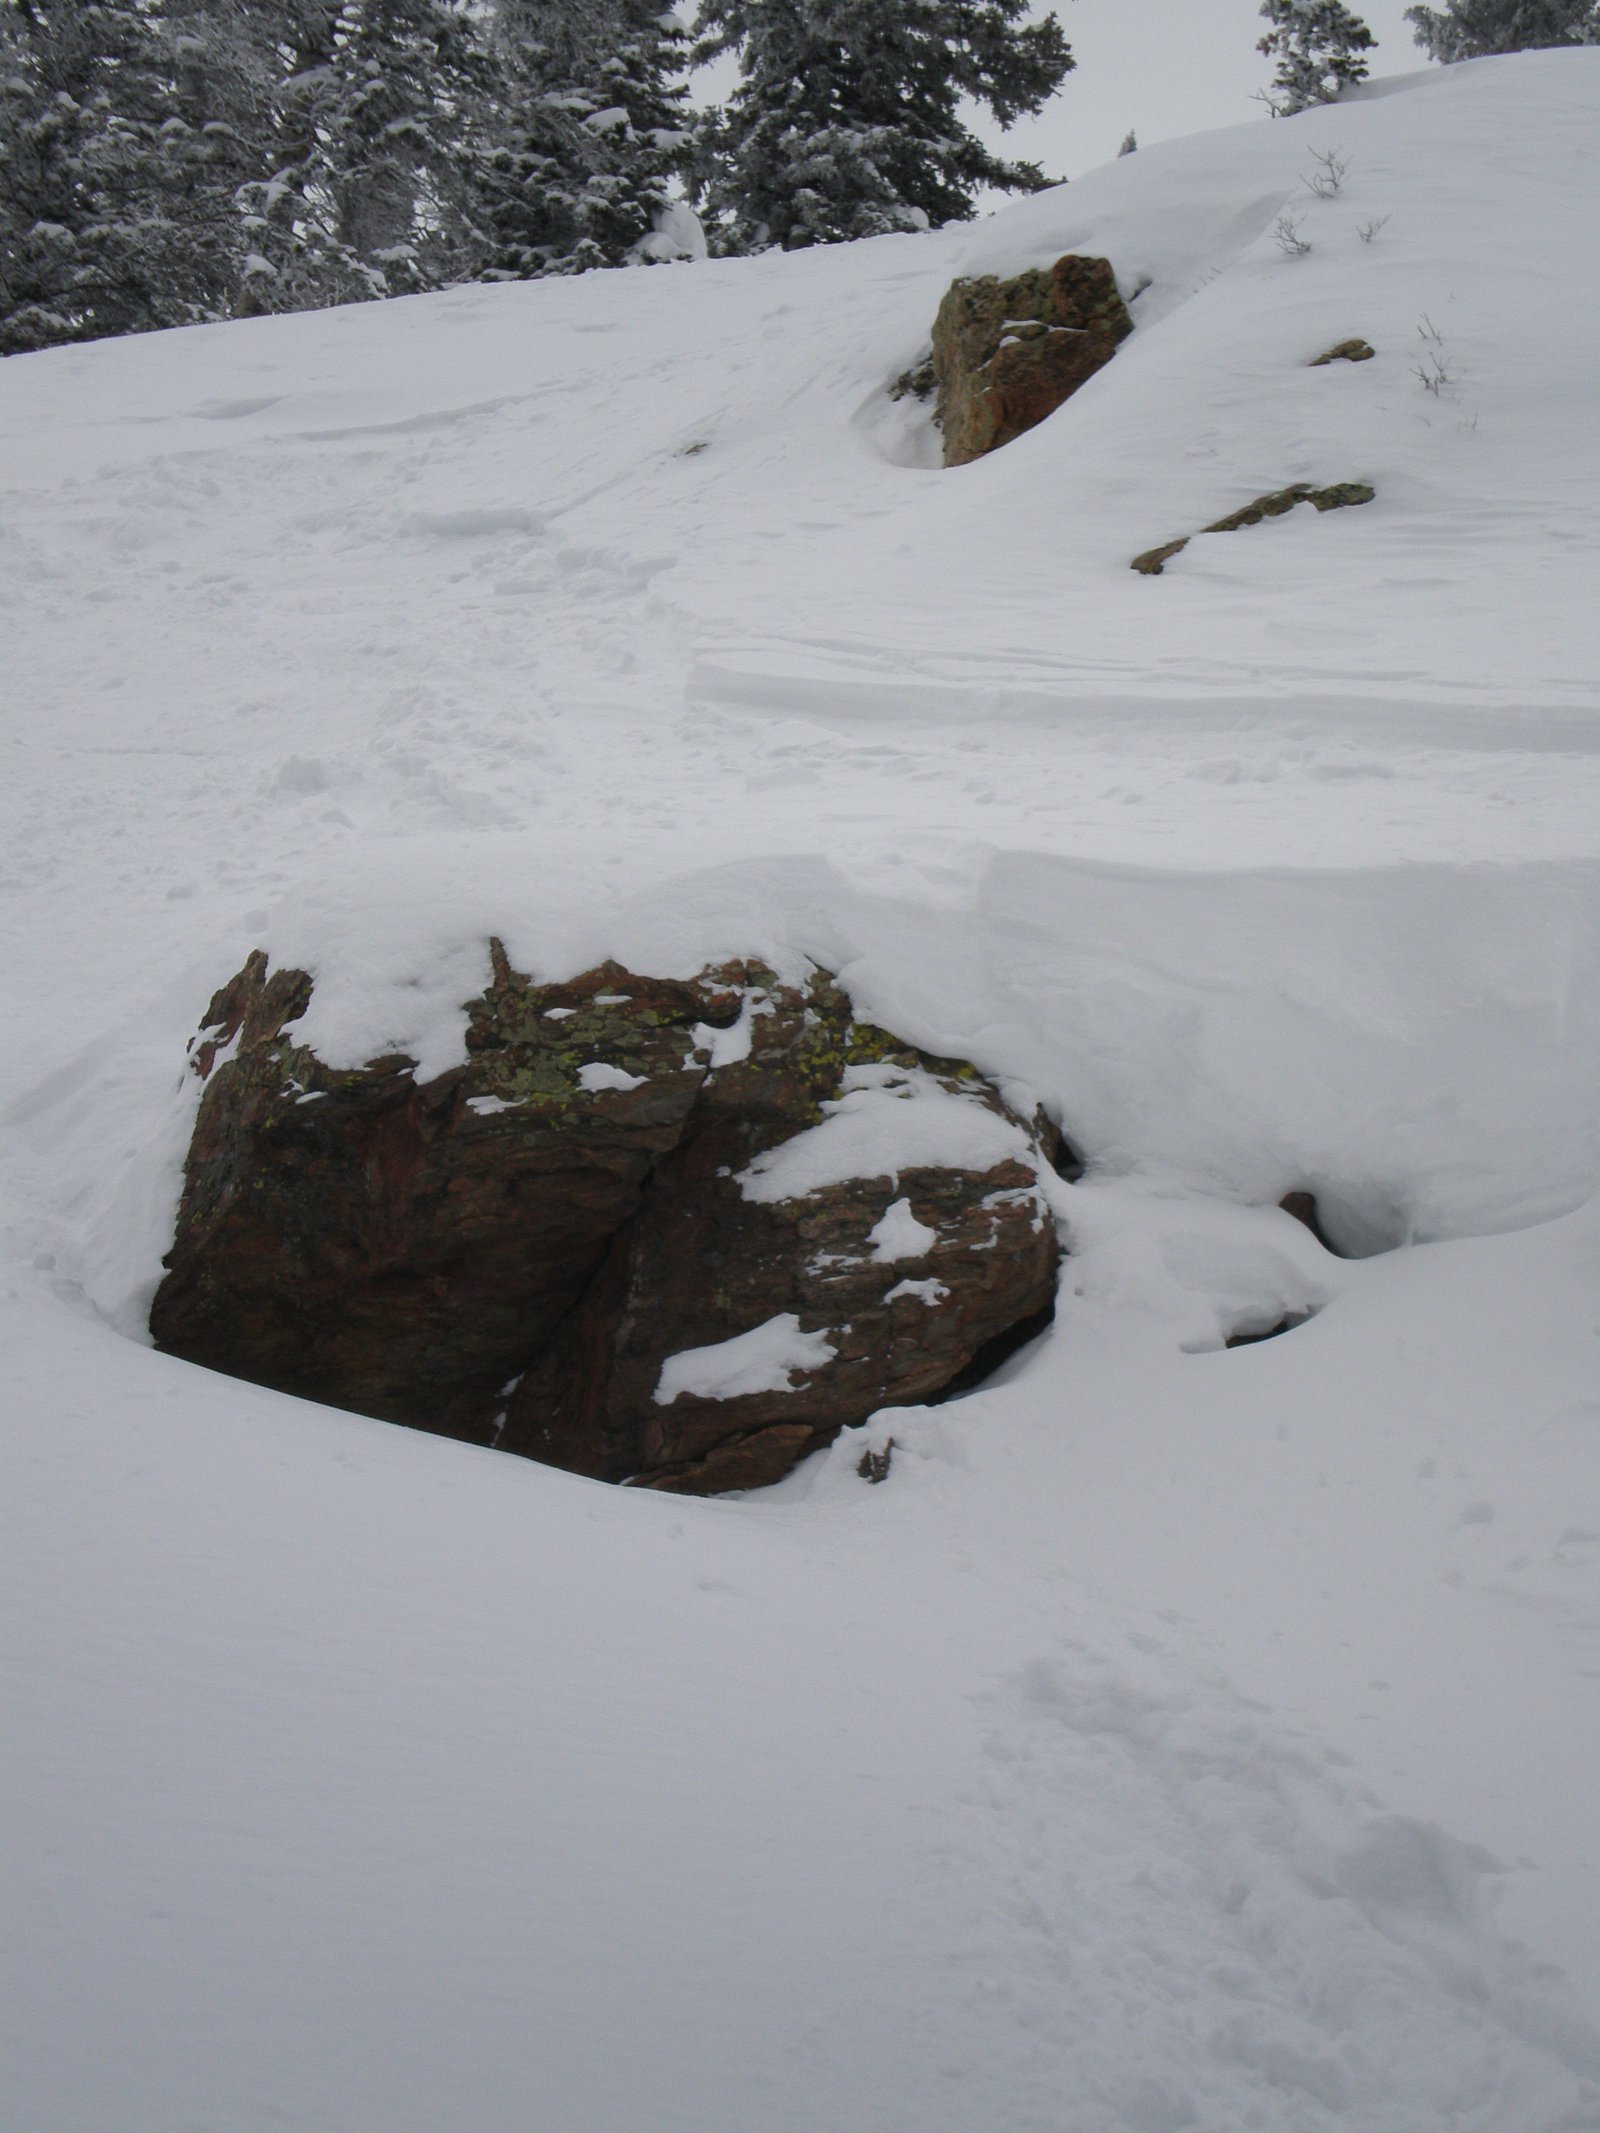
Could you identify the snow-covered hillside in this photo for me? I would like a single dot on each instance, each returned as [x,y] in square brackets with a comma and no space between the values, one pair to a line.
[1181,1737]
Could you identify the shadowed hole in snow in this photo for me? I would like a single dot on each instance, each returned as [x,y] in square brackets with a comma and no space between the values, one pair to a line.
[1247,1336]
[994,1355]
[1350,1222]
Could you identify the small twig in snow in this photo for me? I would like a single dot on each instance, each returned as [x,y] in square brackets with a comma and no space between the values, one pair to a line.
[1432,370]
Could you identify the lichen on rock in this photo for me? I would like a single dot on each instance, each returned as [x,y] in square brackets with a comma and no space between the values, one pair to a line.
[515,1251]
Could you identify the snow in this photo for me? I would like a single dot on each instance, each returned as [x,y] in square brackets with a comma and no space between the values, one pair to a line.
[728,1047]
[889,1119]
[678,234]
[598,1077]
[1181,1736]
[928,1292]
[899,1235]
[762,1360]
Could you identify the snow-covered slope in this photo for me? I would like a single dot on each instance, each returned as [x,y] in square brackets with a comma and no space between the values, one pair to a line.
[1180,1737]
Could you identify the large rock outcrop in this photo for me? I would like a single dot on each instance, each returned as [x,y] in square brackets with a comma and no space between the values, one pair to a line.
[678,1233]
[1007,353]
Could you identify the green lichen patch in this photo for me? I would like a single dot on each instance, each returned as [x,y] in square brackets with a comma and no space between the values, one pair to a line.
[528,1043]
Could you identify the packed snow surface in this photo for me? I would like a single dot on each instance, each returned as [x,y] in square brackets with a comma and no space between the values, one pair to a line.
[1181,1736]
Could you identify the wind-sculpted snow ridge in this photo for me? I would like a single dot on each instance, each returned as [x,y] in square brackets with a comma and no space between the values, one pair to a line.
[1180,1736]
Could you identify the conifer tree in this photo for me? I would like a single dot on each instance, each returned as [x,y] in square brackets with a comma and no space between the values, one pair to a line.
[1478,29]
[579,174]
[125,131]
[166,161]
[846,121]
[1317,46]
[363,187]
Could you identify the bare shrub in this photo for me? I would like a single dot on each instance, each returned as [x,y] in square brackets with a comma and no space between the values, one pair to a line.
[1432,369]
[1329,175]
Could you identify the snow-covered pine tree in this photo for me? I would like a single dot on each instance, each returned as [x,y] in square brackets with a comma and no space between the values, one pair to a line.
[1317,46]
[363,188]
[846,121]
[1478,29]
[1130,143]
[125,131]
[579,170]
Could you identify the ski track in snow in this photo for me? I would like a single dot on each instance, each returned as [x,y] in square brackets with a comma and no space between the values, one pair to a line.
[1180,1738]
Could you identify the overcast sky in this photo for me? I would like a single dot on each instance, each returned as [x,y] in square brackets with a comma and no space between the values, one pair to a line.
[1169,67]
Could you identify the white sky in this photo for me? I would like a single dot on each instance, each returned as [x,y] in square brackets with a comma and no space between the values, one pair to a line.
[1166,68]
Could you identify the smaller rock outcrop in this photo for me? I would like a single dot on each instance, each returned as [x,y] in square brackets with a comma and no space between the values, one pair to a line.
[1344,352]
[673,1232]
[1336,497]
[917,383]
[1007,353]
[874,1466]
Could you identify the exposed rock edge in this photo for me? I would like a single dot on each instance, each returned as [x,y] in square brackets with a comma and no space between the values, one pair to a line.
[1337,496]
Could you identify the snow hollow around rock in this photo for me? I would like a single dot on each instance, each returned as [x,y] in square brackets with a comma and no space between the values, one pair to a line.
[1181,1736]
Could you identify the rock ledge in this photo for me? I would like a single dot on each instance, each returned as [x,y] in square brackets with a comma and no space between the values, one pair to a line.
[673,1232]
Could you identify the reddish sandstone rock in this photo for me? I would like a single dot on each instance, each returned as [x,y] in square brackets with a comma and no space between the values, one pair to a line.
[516,1251]
[1007,353]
